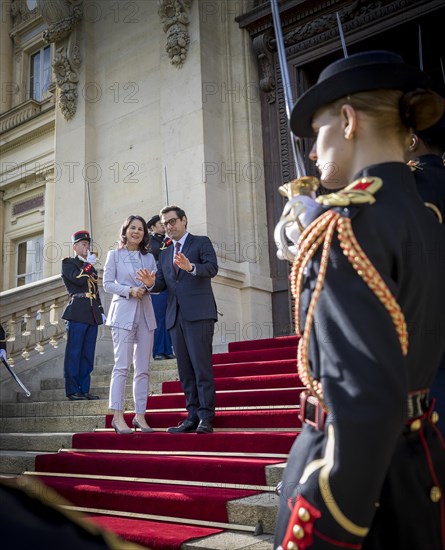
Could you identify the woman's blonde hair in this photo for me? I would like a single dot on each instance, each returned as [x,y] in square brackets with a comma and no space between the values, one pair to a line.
[395,111]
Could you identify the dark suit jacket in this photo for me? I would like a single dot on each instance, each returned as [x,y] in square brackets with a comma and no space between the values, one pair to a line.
[80,277]
[192,293]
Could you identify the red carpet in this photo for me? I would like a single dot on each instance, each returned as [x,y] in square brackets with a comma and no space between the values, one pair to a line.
[186,477]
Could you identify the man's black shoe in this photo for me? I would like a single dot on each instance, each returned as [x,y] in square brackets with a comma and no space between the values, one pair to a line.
[90,397]
[204,427]
[169,356]
[77,397]
[185,427]
[159,357]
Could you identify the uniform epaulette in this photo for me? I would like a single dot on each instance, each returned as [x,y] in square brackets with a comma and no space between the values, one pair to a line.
[360,191]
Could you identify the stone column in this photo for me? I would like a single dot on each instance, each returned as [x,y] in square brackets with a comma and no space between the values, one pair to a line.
[52,252]
[6,57]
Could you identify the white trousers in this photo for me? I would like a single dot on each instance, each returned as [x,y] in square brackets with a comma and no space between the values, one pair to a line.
[131,346]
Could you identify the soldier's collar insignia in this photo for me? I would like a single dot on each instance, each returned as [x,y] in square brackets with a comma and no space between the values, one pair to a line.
[360,191]
[415,165]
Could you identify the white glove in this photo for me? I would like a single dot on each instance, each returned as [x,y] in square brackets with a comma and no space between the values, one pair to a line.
[294,219]
[2,354]
[91,258]
[104,318]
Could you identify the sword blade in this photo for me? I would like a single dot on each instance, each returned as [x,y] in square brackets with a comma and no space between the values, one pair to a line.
[16,378]
[342,35]
[287,88]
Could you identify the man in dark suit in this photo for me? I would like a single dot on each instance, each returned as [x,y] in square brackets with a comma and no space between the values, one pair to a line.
[186,269]
[82,314]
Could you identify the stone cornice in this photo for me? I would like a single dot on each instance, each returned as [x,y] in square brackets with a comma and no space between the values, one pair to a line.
[19,114]
[29,130]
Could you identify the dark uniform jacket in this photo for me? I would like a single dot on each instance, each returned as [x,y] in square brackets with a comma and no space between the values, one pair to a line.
[81,282]
[430,181]
[366,474]
[158,243]
[2,338]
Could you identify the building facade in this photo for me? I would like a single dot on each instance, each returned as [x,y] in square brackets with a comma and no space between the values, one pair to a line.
[111,108]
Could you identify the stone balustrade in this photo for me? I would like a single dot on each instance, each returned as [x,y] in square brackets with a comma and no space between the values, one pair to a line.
[31,317]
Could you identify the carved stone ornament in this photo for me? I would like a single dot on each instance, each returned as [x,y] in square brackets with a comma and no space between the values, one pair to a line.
[174,16]
[20,11]
[67,81]
[264,50]
[62,17]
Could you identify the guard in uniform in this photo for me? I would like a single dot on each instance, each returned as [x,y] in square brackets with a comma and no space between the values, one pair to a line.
[162,344]
[368,469]
[425,159]
[83,314]
[2,343]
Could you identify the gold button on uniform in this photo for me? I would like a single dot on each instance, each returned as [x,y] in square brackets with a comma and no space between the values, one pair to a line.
[291,546]
[435,494]
[435,417]
[298,532]
[304,514]
[416,425]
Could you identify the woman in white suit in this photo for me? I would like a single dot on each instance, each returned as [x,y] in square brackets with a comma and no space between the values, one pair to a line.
[132,321]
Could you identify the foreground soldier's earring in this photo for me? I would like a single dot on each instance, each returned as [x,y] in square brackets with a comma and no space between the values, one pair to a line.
[349,135]
[414,142]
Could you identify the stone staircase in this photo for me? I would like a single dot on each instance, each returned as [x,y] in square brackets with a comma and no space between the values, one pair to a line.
[46,421]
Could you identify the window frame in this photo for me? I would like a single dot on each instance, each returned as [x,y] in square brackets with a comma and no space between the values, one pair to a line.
[35,274]
[44,94]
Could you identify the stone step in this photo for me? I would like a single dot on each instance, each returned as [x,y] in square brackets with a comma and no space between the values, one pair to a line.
[50,409]
[261,508]
[274,474]
[53,424]
[49,442]
[16,462]
[45,396]
[155,366]
[230,540]
[103,380]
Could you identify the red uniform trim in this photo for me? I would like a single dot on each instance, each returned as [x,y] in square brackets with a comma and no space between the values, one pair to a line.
[305,521]
[436,482]
[338,543]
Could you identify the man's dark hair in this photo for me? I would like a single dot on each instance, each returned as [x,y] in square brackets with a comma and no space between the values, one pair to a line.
[172,208]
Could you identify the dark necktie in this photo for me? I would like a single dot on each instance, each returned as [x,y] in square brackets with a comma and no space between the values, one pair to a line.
[177,247]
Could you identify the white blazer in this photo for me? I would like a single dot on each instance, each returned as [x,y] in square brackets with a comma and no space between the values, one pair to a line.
[118,277]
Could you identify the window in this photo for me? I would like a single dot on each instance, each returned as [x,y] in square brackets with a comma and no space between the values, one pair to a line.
[29,260]
[40,73]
